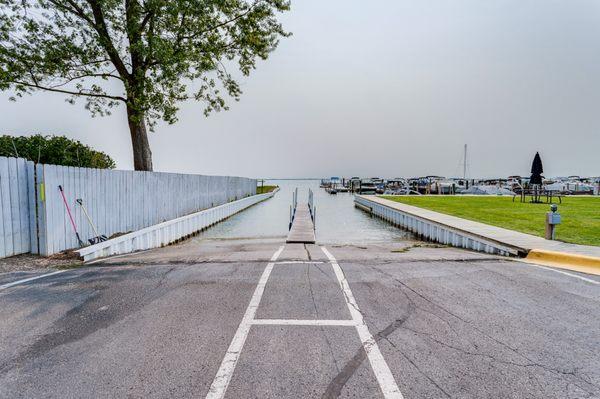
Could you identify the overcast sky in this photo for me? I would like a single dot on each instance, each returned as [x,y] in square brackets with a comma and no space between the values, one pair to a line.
[384,88]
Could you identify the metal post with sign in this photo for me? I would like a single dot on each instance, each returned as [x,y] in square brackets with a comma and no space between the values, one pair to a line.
[553,219]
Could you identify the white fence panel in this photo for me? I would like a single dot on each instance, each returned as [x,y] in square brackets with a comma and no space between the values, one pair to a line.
[35,218]
[124,201]
[15,226]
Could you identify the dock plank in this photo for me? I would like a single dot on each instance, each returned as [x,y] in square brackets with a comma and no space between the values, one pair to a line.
[303,230]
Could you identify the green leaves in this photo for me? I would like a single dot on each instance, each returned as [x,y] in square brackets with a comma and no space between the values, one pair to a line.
[55,150]
[150,54]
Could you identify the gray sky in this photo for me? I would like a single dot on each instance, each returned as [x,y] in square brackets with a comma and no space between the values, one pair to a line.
[384,88]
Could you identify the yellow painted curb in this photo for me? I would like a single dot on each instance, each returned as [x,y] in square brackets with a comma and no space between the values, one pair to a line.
[565,260]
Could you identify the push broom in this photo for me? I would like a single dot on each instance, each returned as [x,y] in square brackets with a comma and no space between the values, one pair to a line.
[99,237]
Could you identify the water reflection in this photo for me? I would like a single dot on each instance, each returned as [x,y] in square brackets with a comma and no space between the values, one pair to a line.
[338,221]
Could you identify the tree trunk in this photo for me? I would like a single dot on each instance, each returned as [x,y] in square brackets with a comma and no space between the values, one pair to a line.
[142,156]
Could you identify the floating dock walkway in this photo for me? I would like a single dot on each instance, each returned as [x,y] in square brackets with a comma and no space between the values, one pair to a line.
[302,221]
[303,229]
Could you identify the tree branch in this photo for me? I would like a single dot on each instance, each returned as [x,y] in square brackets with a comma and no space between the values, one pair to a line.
[73,9]
[74,66]
[150,54]
[86,75]
[105,39]
[224,23]
[147,17]
[74,93]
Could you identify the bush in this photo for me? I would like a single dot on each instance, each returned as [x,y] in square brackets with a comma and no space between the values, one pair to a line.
[54,150]
[265,189]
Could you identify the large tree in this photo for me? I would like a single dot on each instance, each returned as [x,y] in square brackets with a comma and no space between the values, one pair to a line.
[156,53]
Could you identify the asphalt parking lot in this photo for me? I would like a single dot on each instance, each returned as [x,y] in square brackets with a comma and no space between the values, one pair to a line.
[379,320]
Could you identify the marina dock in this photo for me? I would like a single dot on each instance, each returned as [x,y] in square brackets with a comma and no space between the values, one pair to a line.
[303,228]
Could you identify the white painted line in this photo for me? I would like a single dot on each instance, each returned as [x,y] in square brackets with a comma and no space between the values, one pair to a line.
[294,322]
[384,376]
[589,280]
[25,280]
[221,382]
[299,262]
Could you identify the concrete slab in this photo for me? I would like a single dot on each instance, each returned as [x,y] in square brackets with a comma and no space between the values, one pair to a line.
[157,331]
[302,362]
[449,323]
[408,251]
[293,252]
[463,329]
[303,291]
[198,250]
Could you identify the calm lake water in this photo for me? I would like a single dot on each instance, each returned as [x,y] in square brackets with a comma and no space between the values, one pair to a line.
[338,221]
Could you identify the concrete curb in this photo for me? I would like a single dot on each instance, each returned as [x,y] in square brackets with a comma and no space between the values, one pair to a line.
[171,231]
[564,260]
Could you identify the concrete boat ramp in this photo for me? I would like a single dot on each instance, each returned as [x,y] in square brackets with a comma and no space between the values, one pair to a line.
[256,317]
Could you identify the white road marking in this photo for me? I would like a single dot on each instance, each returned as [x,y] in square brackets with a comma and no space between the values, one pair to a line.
[589,280]
[384,376]
[25,280]
[295,322]
[299,262]
[382,372]
[221,382]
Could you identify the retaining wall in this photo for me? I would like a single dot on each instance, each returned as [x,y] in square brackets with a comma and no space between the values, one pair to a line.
[433,231]
[168,232]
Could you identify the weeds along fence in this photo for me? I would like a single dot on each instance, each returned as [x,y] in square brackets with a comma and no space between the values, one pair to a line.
[116,202]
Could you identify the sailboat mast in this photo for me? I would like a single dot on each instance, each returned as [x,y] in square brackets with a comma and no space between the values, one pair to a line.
[465,164]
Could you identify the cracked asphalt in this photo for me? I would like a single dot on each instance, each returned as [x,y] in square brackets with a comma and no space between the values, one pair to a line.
[449,323]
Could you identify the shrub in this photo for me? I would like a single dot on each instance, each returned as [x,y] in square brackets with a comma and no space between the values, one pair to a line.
[55,150]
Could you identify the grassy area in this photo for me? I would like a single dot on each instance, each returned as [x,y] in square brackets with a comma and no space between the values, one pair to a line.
[580,215]
[265,189]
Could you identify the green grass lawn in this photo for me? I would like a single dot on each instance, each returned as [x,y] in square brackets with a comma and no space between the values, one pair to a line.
[580,215]
[265,189]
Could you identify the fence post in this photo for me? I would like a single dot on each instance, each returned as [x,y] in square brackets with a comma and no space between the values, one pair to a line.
[41,214]
[32,206]
[5,232]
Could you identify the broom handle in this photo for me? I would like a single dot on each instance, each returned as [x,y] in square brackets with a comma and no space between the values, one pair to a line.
[69,212]
[80,202]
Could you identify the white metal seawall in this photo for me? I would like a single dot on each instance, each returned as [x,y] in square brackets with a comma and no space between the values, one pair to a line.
[434,231]
[170,231]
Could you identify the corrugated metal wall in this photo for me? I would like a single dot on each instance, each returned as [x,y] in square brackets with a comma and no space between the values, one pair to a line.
[117,202]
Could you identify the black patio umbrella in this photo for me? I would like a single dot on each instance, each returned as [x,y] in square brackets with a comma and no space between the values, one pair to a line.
[536,170]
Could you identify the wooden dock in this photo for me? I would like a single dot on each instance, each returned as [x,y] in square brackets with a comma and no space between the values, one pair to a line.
[303,229]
